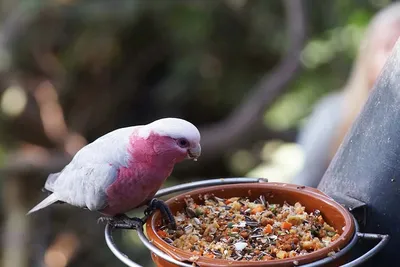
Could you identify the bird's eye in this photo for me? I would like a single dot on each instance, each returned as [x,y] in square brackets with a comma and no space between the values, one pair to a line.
[183,142]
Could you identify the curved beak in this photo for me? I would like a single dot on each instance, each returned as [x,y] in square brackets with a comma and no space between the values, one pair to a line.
[194,152]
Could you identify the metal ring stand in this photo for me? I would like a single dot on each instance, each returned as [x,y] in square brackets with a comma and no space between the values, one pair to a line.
[383,239]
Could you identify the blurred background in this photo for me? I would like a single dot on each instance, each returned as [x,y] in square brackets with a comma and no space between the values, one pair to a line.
[248,73]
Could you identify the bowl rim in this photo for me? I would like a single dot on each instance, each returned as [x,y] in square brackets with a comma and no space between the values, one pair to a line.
[181,255]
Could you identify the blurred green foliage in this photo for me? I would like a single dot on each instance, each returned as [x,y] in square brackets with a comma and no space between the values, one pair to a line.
[194,59]
[322,58]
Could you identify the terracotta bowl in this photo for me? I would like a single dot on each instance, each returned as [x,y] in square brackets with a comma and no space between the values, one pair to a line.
[311,198]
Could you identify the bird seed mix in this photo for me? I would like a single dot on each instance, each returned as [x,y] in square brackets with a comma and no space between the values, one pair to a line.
[242,230]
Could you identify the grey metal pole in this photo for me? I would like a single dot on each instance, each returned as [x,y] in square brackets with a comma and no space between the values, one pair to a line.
[367,165]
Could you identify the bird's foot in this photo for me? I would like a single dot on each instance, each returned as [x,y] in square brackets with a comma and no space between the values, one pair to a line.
[104,219]
[122,221]
[156,204]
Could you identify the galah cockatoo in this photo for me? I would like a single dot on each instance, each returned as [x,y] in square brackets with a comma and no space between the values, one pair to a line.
[123,169]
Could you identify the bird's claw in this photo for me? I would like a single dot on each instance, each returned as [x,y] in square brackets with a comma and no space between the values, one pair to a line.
[122,221]
[156,204]
[104,219]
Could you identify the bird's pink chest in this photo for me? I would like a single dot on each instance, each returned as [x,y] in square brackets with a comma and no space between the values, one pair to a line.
[139,181]
[134,186]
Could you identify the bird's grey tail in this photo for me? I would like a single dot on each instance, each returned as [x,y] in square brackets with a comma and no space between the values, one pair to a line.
[48,186]
[46,202]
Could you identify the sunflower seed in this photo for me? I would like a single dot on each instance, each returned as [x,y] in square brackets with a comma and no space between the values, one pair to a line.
[262,199]
[273,237]
[256,230]
[216,253]
[188,229]
[255,236]
[196,220]
[168,240]
[252,223]
[190,212]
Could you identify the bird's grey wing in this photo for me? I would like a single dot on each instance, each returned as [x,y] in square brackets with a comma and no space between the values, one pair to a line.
[85,186]
[93,169]
[51,179]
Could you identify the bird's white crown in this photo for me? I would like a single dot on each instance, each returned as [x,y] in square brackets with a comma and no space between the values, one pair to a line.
[173,127]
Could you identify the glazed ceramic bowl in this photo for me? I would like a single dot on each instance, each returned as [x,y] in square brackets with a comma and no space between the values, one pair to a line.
[333,213]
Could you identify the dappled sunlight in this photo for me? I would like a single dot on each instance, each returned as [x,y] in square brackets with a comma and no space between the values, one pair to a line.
[50,111]
[241,161]
[281,163]
[13,101]
[61,250]
[53,120]
[342,39]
